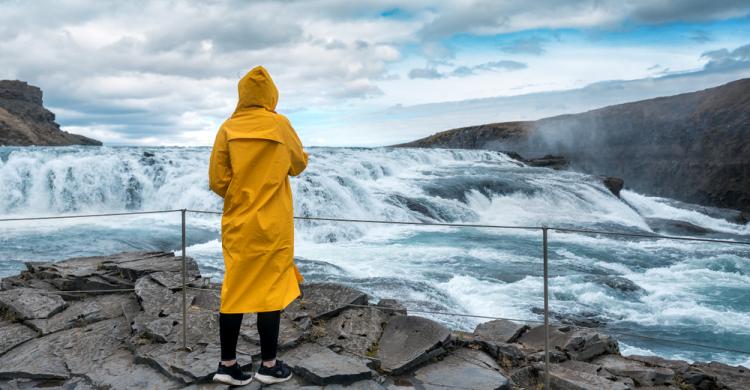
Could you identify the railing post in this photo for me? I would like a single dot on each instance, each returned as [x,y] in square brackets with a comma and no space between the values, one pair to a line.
[184,284]
[546,310]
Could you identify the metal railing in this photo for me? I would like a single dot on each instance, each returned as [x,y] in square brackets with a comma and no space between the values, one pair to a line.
[545,257]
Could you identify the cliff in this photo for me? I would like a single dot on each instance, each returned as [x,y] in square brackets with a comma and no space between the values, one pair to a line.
[24,121]
[115,322]
[694,147]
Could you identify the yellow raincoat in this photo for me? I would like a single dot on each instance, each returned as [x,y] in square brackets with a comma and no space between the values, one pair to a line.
[255,152]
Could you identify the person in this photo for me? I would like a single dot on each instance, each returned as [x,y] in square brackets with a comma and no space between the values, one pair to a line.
[255,152]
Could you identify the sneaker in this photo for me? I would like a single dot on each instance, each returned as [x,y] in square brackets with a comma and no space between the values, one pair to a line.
[232,375]
[276,374]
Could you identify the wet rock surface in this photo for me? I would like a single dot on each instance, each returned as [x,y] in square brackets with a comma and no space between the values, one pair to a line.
[128,334]
[408,341]
[464,368]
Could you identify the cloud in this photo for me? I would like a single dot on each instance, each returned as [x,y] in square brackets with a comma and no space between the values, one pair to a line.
[724,59]
[425,73]
[700,36]
[489,17]
[532,45]
[168,70]
[464,71]
[501,65]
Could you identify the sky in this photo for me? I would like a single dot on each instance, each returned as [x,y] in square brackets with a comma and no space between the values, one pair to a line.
[360,73]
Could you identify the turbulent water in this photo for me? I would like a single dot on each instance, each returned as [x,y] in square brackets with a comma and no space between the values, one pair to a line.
[691,291]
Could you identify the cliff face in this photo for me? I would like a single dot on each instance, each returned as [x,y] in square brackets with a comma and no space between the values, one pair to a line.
[693,147]
[24,120]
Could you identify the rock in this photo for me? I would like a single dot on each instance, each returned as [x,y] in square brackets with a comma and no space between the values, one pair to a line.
[13,334]
[585,344]
[180,365]
[291,333]
[568,379]
[134,266]
[582,319]
[391,306]
[643,375]
[70,352]
[24,120]
[463,369]
[672,226]
[27,304]
[548,161]
[526,377]
[113,272]
[79,313]
[171,280]
[499,331]
[508,355]
[120,371]
[579,344]
[728,377]
[408,341]
[618,283]
[356,330]
[361,385]
[614,185]
[321,366]
[157,300]
[534,337]
[325,300]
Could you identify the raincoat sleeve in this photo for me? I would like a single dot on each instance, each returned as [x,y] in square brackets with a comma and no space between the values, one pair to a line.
[220,169]
[297,153]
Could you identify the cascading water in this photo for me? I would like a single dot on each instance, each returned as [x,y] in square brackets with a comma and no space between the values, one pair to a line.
[673,289]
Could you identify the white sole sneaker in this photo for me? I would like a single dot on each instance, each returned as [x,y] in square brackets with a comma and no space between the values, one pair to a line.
[269,380]
[227,379]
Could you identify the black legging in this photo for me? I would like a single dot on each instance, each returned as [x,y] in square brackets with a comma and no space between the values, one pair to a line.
[268,330]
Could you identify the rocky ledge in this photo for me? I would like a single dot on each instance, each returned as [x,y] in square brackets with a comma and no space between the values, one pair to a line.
[24,121]
[126,330]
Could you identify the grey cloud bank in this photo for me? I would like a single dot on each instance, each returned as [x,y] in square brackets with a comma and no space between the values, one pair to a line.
[165,72]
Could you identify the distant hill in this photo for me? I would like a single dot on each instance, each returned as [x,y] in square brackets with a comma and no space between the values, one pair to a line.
[693,147]
[24,120]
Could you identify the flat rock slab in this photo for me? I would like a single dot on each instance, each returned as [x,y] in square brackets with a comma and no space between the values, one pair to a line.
[14,333]
[643,375]
[499,331]
[134,265]
[726,376]
[558,337]
[585,344]
[158,300]
[463,369]
[361,385]
[325,300]
[184,366]
[79,313]
[579,344]
[118,271]
[567,379]
[119,371]
[70,352]
[321,366]
[27,304]
[356,330]
[408,341]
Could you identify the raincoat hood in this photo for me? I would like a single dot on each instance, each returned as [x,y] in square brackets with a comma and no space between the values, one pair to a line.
[257,90]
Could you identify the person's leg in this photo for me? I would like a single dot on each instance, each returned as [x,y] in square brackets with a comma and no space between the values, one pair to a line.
[229,371]
[268,330]
[271,369]
[229,331]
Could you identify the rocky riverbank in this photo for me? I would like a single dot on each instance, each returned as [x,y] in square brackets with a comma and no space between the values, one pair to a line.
[125,332]
[693,147]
